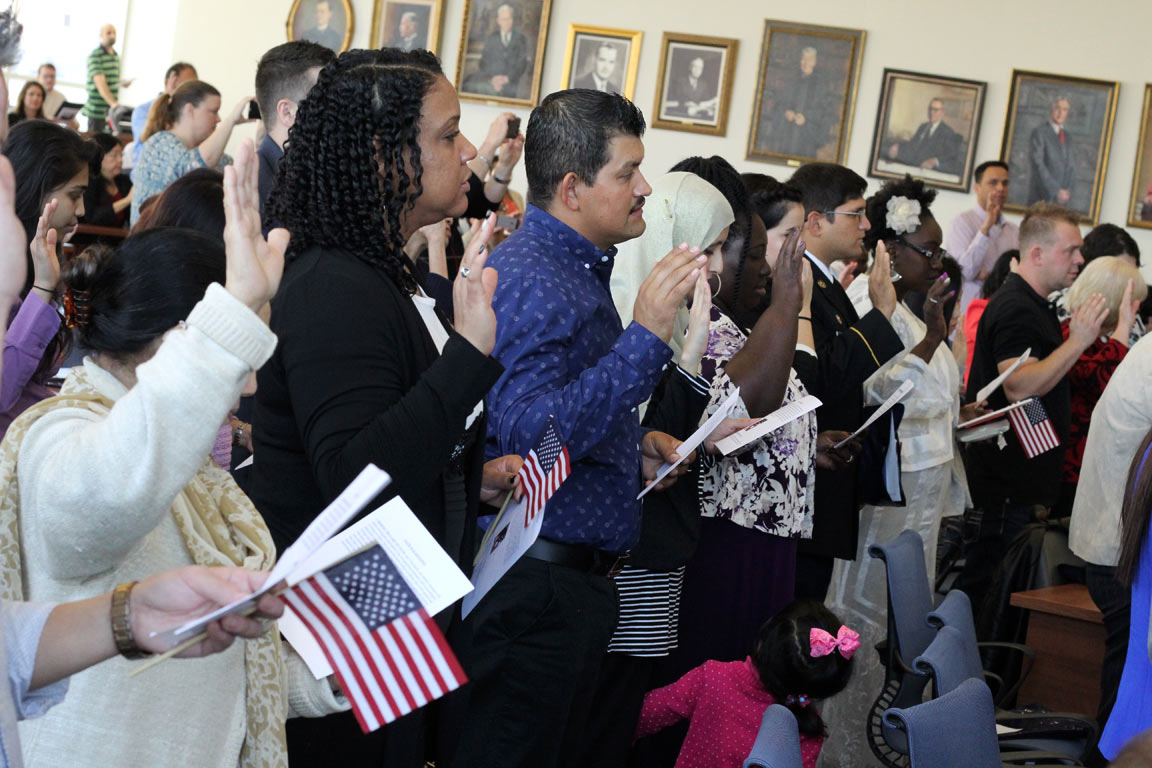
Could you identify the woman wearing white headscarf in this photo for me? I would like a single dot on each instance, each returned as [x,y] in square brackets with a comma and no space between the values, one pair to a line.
[683,208]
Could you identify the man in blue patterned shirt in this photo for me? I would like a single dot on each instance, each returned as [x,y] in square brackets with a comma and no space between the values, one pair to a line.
[539,636]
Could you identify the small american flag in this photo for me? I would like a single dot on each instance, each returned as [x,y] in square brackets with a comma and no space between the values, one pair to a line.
[1033,428]
[388,654]
[544,470]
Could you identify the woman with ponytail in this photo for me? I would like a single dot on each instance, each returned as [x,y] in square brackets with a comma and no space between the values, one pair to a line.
[802,654]
[184,131]
[111,481]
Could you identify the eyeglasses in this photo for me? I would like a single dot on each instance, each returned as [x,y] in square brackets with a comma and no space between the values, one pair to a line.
[858,214]
[939,253]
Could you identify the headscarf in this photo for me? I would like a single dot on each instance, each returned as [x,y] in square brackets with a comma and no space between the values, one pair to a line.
[683,208]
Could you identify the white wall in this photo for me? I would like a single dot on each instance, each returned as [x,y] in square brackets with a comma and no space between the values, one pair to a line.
[974,39]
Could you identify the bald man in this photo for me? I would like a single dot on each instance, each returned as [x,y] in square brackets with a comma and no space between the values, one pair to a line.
[504,60]
[103,81]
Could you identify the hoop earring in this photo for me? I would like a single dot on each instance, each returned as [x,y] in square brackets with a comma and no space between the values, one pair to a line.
[719,284]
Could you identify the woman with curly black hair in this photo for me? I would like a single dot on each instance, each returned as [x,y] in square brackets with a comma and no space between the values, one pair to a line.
[367,370]
[932,476]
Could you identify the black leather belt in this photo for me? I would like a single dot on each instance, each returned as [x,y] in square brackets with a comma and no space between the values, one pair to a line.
[577,556]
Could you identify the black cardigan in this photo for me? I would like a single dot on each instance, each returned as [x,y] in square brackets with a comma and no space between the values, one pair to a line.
[98,203]
[355,379]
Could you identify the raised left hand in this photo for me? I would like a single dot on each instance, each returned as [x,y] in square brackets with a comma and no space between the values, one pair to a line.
[659,448]
[500,476]
[172,598]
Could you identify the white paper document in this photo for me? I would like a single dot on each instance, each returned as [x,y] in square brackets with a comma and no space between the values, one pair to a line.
[431,573]
[506,541]
[769,423]
[992,415]
[367,485]
[991,386]
[886,406]
[697,437]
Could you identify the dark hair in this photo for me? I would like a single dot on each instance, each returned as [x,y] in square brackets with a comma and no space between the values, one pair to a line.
[106,142]
[44,156]
[139,291]
[1134,513]
[1109,240]
[825,186]
[569,133]
[20,113]
[352,165]
[979,174]
[783,657]
[769,197]
[876,208]
[166,109]
[193,201]
[283,74]
[719,173]
[176,69]
[999,273]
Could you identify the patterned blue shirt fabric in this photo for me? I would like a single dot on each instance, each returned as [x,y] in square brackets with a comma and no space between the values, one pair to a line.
[564,353]
[164,159]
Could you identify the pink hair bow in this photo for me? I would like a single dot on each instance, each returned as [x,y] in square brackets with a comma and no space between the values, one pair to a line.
[846,640]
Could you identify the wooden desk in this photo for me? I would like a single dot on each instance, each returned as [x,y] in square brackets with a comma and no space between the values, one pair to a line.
[1066,630]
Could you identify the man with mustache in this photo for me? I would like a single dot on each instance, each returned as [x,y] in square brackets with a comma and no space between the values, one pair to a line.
[539,636]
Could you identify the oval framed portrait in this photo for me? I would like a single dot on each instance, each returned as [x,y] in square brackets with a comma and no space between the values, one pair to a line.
[327,22]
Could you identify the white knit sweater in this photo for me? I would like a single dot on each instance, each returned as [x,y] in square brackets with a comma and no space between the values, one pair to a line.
[95,498]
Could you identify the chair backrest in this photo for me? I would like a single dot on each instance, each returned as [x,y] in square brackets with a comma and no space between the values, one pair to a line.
[956,730]
[950,659]
[909,593]
[778,742]
[954,611]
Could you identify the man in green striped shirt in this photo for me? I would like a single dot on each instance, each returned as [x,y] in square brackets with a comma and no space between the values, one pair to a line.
[103,81]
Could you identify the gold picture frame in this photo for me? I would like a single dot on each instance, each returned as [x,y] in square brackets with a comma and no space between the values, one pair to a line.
[825,87]
[484,51]
[714,59]
[1050,158]
[1142,173]
[585,57]
[337,33]
[388,24]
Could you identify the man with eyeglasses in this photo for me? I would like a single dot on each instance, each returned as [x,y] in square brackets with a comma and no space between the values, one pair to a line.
[934,146]
[849,349]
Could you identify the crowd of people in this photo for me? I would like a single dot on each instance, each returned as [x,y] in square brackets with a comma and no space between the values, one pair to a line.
[362,287]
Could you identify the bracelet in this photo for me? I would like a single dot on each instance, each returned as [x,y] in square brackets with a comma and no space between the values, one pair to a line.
[42,288]
[121,615]
[801,317]
[499,180]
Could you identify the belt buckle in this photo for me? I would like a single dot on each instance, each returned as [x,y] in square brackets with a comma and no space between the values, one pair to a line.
[618,565]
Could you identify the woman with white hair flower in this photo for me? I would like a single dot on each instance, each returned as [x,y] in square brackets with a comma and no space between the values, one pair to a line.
[932,477]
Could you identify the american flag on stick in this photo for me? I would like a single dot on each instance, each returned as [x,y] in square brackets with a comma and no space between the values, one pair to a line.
[1033,428]
[386,651]
[545,468]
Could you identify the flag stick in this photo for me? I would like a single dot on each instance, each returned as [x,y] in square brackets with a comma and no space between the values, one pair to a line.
[492,527]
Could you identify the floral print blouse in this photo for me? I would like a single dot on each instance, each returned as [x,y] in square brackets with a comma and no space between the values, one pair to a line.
[768,487]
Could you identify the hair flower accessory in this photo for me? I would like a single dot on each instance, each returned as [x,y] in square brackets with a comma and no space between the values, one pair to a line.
[903,215]
[822,643]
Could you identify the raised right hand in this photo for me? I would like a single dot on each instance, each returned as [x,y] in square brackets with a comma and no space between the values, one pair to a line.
[255,265]
[881,292]
[699,318]
[665,287]
[473,289]
[788,274]
[1126,316]
[45,264]
[12,242]
[1084,327]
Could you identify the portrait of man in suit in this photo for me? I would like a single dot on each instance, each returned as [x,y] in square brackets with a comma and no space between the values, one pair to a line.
[1052,176]
[330,24]
[694,93]
[604,73]
[504,60]
[803,109]
[935,146]
[410,34]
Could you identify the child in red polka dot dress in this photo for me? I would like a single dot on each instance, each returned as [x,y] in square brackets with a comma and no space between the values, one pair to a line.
[802,653]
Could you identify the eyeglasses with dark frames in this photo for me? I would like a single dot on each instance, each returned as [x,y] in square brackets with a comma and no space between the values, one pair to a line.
[939,253]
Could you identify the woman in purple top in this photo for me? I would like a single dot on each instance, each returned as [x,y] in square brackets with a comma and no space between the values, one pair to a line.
[51,166]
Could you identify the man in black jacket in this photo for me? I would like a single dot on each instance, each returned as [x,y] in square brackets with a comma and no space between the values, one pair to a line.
[849,349]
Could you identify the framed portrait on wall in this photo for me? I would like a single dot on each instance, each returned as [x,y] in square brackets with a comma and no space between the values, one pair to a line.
[805,93]
[926,126]
[694,87]
[602,59]
[1140,205]
[502,51]
[1056,138]
[407,24]
[327,22]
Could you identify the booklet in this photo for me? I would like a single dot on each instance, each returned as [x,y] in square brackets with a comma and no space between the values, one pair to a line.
[992,415]
[695,439]
[769,423]
[991,386]
[886,406]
